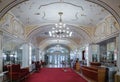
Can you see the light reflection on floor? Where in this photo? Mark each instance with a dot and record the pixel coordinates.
(57, 66)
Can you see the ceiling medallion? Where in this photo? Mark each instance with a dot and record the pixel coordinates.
(60, 30)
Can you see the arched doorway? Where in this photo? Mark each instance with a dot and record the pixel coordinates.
(57, 55)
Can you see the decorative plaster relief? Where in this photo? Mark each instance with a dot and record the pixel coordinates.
(17, 27)
(111, 22)
(44, 13)
(12, 25)
(61, 2)
(76, 17)
(5, 22)
(106, 27)
(103, 28)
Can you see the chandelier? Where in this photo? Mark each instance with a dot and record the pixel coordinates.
(60, 30)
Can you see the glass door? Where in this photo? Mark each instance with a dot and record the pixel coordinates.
(58, 59)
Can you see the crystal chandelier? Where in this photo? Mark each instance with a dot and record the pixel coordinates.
(60, 30)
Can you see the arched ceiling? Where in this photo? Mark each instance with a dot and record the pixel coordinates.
(113, 6)
(78, 12)
(41, 35)
(68, 43)
(79, 15)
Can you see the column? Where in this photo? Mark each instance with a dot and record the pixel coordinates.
(1, 57)
(43, 55)
(87, 54)
(25, 56)
(90, 52)
(118, 56)
(37, 54)
(98, 53)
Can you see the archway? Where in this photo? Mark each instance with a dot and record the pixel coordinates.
(58, 55)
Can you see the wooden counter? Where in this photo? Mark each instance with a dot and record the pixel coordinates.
(97, 74)
(117, 77)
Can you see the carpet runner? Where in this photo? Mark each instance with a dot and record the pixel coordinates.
(55, 75)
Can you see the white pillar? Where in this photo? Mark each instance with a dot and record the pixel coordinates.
(43, 56)
(37, 54)
(87, 55)
(1, 57)
(25, 55)
(118, 56)
(98, 53)
(90, 53)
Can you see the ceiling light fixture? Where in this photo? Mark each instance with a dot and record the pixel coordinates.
(60, 30)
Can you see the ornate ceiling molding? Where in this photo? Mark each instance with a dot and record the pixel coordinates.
(99, 2)
(108, 8)
(60, 3)
(9, 6)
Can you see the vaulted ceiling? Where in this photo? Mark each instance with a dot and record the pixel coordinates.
(41, 15)
(76, 12)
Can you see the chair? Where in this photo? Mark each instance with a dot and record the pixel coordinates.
(16, 73)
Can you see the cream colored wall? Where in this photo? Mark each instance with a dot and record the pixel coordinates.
(107, 28)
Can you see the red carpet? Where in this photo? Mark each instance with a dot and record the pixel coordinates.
(55, 75)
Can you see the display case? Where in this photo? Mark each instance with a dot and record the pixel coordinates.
(107, 52)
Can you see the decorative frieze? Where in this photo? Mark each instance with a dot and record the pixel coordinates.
(106, 29)
(12, 25)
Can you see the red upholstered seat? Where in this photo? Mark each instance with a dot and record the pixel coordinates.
(16, 73)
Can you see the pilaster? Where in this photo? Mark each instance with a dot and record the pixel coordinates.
(118, 56)
(25, 56)
(1, 57)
